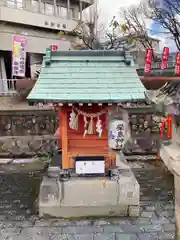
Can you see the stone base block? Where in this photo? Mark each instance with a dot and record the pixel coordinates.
(81, 212)
(85, 197)
(134, 211)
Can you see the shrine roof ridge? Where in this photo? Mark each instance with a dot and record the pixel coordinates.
(87, 53)
(86, 56)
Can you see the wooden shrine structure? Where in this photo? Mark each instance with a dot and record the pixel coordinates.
(89, 88)
(84, 85)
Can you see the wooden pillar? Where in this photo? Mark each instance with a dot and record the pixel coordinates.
(177, 204)
(64, 135)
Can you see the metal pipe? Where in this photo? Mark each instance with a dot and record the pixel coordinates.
(80, 9)
(39, 7)
(68, 9)
(55, 7)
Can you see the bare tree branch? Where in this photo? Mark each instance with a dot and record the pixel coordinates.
(90, 39)
(167, 16)
(136, 26)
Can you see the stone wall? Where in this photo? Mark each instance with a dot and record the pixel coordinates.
(23, 123)
(28, 133)
(29, 146)
(32, 132)
(144, 132)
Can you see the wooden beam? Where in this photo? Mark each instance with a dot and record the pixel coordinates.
(156, 78)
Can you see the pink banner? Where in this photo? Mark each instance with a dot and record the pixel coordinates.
(19, 56)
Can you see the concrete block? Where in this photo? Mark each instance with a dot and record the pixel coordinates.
(129, 193)
(104, 236)
(129, 190)
(53, 171)
(79, 197)
(134, 211)
(49, 192)
(88, 192)
(84, 211)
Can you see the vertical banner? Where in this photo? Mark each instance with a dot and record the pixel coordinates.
(165, 57)
(177, 68)
(19, 56)
(148, 60)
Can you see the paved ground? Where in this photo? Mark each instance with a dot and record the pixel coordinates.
(19, 221)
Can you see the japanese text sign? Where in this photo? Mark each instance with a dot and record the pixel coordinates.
(19, 56)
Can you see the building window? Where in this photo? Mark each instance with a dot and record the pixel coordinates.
(49, 9)
(11, 3)
(62, 11)
(42, 7)
(15, 4)
(19, 4)
(73, 13)
(34, 5)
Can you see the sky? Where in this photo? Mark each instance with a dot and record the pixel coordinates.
(110, 8)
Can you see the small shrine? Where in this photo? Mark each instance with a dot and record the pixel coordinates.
(89, 90)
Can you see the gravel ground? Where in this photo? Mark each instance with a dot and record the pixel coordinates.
(18, 219)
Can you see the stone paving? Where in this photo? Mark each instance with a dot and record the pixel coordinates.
(18, 220)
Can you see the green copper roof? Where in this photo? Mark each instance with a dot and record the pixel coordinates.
(87, 76)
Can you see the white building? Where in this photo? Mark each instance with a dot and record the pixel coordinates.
(39, 21)
(139, 50)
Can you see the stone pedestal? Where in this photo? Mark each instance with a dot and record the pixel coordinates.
(170, 154)
(90, 196)
(177, 204)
